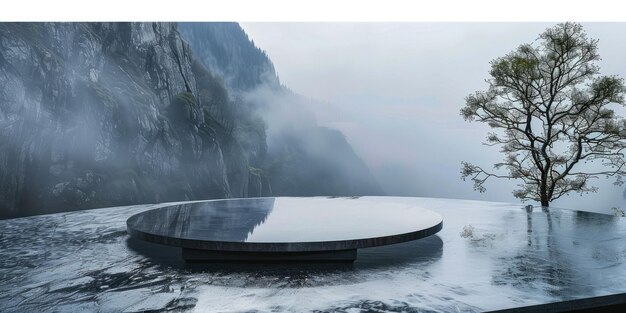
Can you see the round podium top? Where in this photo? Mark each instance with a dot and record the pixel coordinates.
(285, 224)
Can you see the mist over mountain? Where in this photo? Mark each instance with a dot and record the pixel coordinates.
(103, 114)
(303, 159)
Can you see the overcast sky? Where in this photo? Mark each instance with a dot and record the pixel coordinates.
(395, 90)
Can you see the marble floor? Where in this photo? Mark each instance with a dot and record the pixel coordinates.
(488, 256)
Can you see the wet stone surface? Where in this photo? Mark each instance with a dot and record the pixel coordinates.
(85, 261)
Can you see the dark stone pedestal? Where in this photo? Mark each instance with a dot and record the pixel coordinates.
(194, 255)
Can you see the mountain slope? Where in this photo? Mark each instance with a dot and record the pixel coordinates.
(303, 158)
(100, 114)
(225, 49)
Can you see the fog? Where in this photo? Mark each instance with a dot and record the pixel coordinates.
(395, 91)
(304, 158)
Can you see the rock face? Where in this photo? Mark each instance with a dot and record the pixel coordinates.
(104, 114)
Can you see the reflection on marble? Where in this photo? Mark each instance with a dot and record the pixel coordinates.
(285, 224)
(221, 220)
(85, 261)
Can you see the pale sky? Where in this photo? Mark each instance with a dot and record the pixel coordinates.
(395, 90)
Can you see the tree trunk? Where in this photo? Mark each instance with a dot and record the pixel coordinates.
(545, 201)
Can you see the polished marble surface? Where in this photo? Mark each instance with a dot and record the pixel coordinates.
(285, 224)
(488, 256)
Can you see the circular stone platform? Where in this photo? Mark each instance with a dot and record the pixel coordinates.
(258, 229)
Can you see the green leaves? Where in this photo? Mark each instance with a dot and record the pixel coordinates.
(513, 66)
(608, 88)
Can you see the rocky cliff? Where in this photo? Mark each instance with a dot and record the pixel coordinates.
(103, 114)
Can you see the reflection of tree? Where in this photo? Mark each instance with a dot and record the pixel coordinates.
(546, 263)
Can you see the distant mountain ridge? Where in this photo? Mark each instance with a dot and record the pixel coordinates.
(227, 51)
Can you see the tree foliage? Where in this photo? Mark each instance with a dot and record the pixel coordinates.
(551, 111)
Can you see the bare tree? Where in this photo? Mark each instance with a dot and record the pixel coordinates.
(552, 112)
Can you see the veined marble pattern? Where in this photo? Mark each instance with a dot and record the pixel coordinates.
(85, 261)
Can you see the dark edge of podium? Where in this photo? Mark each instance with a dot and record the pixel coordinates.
(281, 247)
(213, 256)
